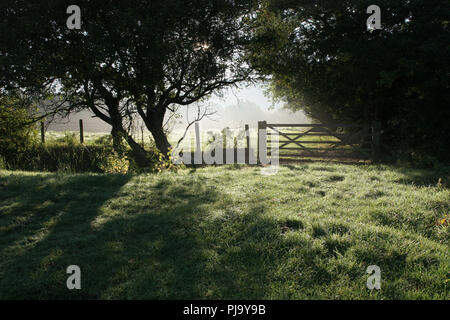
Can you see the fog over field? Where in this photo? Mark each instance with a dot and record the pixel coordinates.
(234, 109)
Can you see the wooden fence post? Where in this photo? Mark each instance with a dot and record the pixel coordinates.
(247, 145)
(235, 150)
(42, 132)
(376, 130)
(224, 145)
(262, 125)
(81, 132)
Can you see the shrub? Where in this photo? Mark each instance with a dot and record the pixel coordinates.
(166, 162)
(66, 154)
(17, 132)
(110, 162)
(69, 158)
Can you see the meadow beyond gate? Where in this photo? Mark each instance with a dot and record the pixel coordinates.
(323, 141)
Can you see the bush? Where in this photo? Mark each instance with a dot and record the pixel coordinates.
(66, 154)
(70, 158)
(164, 163)
(111, 162)
(17, 132)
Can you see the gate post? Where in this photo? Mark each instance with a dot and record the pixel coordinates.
(247, 145)
(262, 125)
(224, 145)
(81, 132)
(376, 129)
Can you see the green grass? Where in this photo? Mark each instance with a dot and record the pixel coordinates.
(104, 139)
(189, 143)
(90, 138)
(308, 232)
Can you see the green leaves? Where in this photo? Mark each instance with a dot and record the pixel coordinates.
(321, 59)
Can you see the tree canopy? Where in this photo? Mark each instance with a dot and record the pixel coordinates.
(142, 59)
(129, 59)
(321, 58)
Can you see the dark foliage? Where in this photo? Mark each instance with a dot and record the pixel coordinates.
(129, 59)
(321, 58)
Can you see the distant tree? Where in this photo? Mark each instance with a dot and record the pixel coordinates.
(129, 59)
(321, 58)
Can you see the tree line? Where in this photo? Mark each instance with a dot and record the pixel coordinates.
(143, 59)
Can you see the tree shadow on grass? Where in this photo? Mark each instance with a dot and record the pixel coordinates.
(43, 219)
(172, 237)
(424, 178)
(156, 241)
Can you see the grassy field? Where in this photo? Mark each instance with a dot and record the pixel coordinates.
(308, 232)
(189, 143)
(104, 138)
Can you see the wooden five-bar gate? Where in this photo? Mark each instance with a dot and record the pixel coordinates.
(322, 141)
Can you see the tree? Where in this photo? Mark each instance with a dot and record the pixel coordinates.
(321, 58)
(129, 59)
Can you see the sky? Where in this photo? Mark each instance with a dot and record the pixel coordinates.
(249, 105)
(254, 93)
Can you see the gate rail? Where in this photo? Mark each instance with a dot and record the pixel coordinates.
(324, 140)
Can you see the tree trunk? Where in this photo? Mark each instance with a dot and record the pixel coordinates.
(120, 135)
(139, 153)
(154, 124)
(118, 143)
(161, 141)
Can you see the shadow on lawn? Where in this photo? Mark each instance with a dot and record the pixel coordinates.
(425, 178)
(167, 247)
(165, 237)
(45, 226)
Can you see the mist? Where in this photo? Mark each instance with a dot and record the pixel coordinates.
(234, 109)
